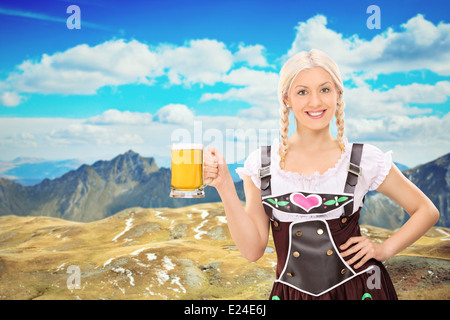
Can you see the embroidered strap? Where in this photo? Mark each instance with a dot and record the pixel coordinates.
(307, 203)
(354, 171)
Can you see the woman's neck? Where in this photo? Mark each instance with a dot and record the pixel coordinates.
(312, 140)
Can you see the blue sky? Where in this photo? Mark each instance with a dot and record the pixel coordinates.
(138, 73)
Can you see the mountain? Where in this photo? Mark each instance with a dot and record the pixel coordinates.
(433, 178)
(31, 171)
(93, 192)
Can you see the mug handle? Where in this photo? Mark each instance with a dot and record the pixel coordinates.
(203, 186)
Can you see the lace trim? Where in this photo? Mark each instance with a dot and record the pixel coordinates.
(384, 165)
(316, 175)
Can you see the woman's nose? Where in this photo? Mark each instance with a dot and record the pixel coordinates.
(314, 100)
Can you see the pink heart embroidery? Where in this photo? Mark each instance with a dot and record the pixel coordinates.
(306, 203)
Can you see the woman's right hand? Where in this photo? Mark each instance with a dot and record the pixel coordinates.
(215, 169)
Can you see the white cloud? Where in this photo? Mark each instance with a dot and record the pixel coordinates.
(26, 136)
(113, 116)
(81, 133)
(224, 123)
(252, 55)
(11, 99)
(365, 102)
(198, 61)
(256, 87)
(128, 138)
(418, 45)
(63, 138)
(21, 139)
(385, 117)
(175, 113)
(414, 140)
(400, 128)
(84, 69)
(421, 93)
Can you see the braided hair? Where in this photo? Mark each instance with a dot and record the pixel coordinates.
(297, 63)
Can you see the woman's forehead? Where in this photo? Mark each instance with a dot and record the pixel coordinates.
(312, 77)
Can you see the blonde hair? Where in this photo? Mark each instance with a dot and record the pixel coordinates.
(297, 63)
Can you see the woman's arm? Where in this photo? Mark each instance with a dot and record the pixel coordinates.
(423, 216)
(423, 212)
(249, 228)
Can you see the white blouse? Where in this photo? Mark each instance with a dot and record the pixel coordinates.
(374, 163)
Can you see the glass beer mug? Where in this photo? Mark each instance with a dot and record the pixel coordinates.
(187, 171)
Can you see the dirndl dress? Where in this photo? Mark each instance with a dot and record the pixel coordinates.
(311, 216)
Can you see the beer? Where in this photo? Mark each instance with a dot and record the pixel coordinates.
(187, 171)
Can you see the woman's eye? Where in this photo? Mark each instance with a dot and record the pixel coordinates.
(302, 92)
(326, 90)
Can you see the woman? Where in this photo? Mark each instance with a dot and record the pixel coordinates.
(310, 187)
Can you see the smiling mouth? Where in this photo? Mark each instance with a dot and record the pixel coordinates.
(315, 114)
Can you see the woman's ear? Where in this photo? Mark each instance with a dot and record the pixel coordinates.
(286, 101)
(340, 96)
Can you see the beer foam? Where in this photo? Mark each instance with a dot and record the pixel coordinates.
(187, 146)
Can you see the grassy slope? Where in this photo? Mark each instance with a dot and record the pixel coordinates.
(183, 253)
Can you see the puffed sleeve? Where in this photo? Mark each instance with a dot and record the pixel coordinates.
(375, 166)
(251, 166)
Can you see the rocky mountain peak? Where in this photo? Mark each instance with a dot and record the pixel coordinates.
(127, 166)
(433, 178)
(93, 192)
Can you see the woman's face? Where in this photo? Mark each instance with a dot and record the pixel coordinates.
(313, 98)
